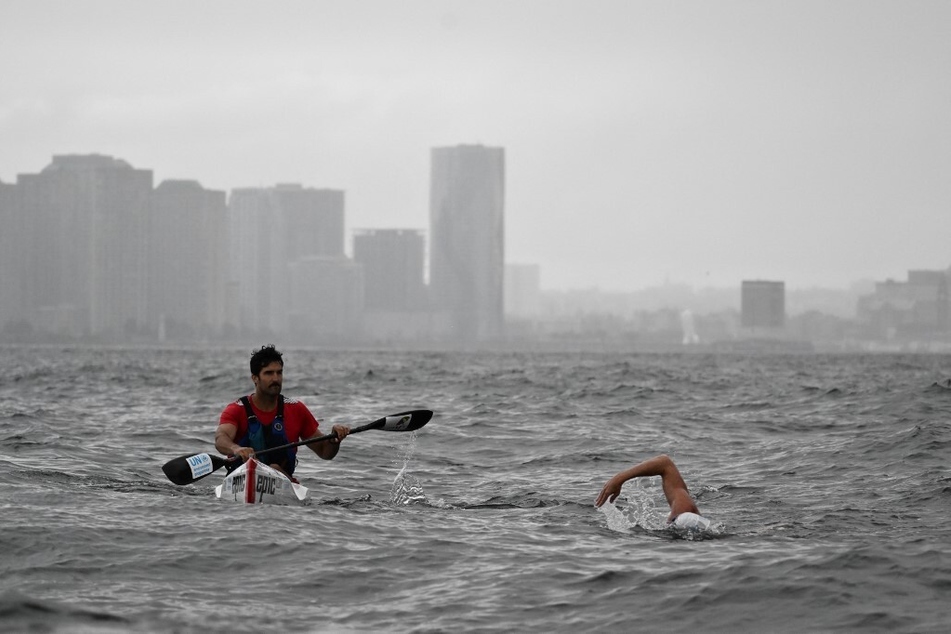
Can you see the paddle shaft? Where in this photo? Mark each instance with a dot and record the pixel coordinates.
(374, 425)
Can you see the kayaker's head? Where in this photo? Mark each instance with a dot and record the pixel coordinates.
(267, 371)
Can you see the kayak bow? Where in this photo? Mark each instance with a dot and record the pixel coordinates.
(256, 483)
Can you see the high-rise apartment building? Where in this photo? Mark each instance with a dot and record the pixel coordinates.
(393, 263)
(325, 300)
(12, 268)
(763, 304)
(85, 245)
(273, 229)
(467, 256)
(256, 260)
(313, 220)
(188, 251)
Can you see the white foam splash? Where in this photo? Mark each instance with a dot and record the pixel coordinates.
(639, 510)
(406, 488)
(616, 520)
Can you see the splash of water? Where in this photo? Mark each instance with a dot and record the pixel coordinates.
(617, 521)
(406, 489)
(639, 510)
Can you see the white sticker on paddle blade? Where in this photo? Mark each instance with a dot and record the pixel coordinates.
(397, 423)
(200, 465)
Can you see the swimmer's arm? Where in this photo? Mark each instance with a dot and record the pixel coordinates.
(675, 489)
(654, 467)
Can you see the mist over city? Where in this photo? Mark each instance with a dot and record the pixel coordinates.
(727, 175)
(460, 316)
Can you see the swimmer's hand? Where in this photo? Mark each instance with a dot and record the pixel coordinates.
(611, 490)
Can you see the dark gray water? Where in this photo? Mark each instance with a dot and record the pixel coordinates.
(826, 476)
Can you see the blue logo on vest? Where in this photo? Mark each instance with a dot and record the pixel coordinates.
(278, 427)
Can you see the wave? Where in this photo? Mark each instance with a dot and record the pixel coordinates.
(21, 613)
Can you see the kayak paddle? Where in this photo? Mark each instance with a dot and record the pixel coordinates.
(193, 467)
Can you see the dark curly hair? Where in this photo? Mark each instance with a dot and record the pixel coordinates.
(265, 356)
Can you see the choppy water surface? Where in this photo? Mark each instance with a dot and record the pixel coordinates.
(826, 476)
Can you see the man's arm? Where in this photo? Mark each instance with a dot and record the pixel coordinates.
(329, 448)
(225, 443)
(675, 489)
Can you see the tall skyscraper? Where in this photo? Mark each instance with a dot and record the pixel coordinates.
(393, 263)
(12, 254)
(272, 230)
(88, 218)
(256, 259)
(325, 300)
(467, 254)
(312, 219)
(188, 250)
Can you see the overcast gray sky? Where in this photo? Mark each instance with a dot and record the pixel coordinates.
(690, 142)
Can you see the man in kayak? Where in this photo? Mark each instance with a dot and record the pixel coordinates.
(683, 510)
(267, 419)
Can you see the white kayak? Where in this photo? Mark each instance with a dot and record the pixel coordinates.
(256, 483)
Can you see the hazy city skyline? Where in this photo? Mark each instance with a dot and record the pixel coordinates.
(692, 142)
(92, 251)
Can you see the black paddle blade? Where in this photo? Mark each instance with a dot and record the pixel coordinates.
(406, 421)
(193, 467)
